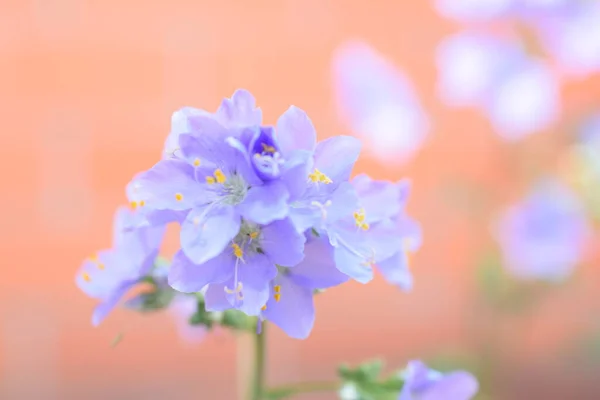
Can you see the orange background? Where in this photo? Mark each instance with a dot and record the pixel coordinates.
(86, 93)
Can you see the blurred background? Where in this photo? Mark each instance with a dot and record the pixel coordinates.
(489, 107)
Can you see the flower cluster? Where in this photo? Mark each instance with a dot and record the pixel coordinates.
(268, 217)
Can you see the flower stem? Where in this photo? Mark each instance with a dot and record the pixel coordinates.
(258, 378)
(304, 387)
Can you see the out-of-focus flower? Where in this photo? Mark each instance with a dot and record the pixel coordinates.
(423, 383)
(544, 235)
(566, 29)
(378, 103)
(473, 10)
(109, 274)
(519, 94)
(182, 308)
(570, 33)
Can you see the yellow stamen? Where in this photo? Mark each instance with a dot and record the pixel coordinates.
(264, 308)
(133, 205)
(277, 288)
(142, 203)
(210, 180)
(267, 148)
(178, 196)
(197, 162)
(359, 219)
(86, 277)
(237, 250)
(220, 176)
(277, 297)
(253, 235)
(100, 266)
(94, 258)
(318, 177)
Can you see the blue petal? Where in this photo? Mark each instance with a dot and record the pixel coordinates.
(104, 308)
(304, 217)
(373, 194)
(395, 270)
(282, 243)
(241, 110)
(295, 131)
(207, 142)
(295, 312)
(352, 265)
(216, 299)
(266, 203)
(168, 185)
(255, 274)
(187, 277)
(208, 230)
(318, 269)
(296, 169)
(179, 125)
(335, 157)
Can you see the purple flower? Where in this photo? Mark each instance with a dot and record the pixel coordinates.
(423, 383)
(224, 172)
(388, 223)
(571, 34)
(519, 94)
(378, 103)
(110, 273)
(468, 10)
(242, 272)
(544, 236)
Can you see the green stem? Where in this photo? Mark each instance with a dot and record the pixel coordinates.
(300, 388)
(258, 379)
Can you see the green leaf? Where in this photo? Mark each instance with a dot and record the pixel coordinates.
(366, 380)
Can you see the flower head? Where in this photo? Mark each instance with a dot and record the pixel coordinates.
(421, 382)
(110, 273)
(544, 235)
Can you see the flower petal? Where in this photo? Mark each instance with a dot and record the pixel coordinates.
(395, 270)
(255, 275)
(282, 243)
(241, 110)
(294, 313)
(295, 131)
(104, 308)
(352, 265)
(187, 277)
(208, 230)
(216, 299)
(168, 185)
(295, 172)
(266, 203)
(317, 270)
(335, 157)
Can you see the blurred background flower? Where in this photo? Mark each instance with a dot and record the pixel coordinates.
(519, 94)
(377, 102)
(544, 235)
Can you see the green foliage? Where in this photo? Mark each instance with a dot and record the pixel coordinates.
(368, 383)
